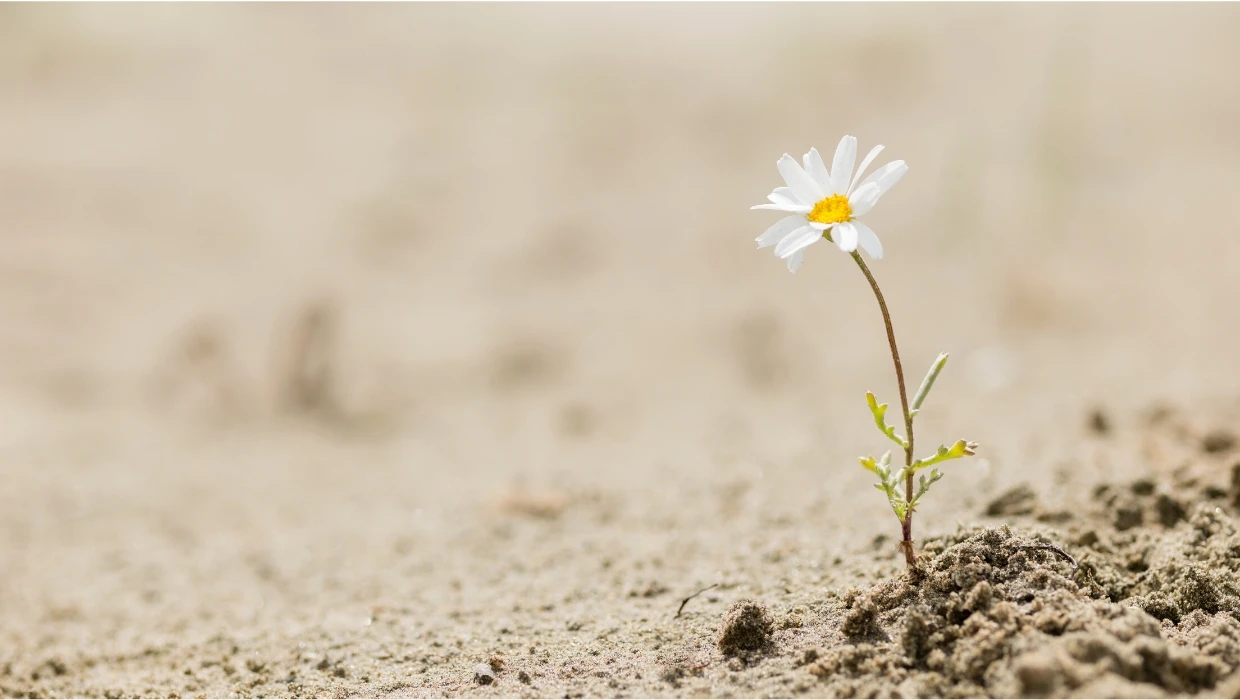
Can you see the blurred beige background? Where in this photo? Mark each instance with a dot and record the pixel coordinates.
(300, 306)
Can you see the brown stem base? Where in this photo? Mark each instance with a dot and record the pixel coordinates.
(906, 544)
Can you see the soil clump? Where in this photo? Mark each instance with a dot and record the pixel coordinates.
(1153, 608)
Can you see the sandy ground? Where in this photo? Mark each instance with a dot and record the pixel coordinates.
(346, 349)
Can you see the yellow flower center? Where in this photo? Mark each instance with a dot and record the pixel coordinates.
(832, 210)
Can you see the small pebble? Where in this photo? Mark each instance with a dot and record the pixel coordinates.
(483, 675)
(1098, 422)
(1218, 441)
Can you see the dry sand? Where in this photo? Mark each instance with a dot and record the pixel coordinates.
(423, 351)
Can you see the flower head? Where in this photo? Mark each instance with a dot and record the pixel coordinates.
(826, 204)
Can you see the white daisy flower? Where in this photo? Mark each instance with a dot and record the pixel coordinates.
(825, 204)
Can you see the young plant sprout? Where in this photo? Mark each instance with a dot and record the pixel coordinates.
(825, 204)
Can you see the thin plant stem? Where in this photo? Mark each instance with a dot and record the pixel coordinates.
(906, 543)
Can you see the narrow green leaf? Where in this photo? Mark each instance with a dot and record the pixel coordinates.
(928, 382)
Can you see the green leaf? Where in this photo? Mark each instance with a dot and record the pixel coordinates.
(928, 382)
(880, 467)
(900, 476)
(880, 419)
(924, 486)
(869, 464)
(958, 449)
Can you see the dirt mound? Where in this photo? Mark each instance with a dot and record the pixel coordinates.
(746, 627)
(1152, 609)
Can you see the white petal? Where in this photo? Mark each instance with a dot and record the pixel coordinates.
(797, 240)
(776, 198)
(786, 193)
(845, 235)
(842, 166)
(820, 227)
(817, 169)
(869, 158)
(886, 176)
(862, 200)
(868, 240)
(794, 262)
(782, 228)
(801, 183)
(794, 208)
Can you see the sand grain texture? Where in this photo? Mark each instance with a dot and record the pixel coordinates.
(423, 351)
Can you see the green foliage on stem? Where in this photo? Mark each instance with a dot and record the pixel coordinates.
(958, 449)
(893, 482)
(928, 383)
(879, 410)
(924, 484)
(888, 483)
